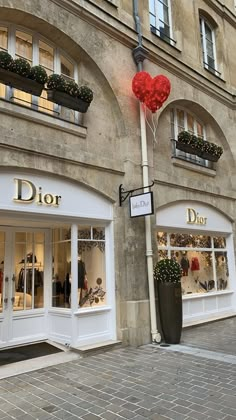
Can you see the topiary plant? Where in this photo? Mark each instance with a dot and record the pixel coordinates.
(72, 88)
(21, 66)
(85, 94)
(167, 271)
(39, 74)
(5, 60)
(56, 82)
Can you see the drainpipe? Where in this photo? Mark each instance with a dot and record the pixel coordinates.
(139, 54)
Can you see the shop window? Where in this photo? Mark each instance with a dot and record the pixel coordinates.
(160, 19)
(91, 267)
(61, 268)
(29, 270)
(203, 260)
(181, 120)
(207, 34)
(2, 257)
(37, 51)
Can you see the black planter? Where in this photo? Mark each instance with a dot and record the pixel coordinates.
(208, 156)
(170, 307)
(64, 99)
(186, 148)
(20, 82)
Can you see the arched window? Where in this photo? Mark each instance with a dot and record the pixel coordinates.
(21, 43)
(208, 46)
(181, 120)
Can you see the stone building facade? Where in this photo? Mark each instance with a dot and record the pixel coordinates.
(49, 151)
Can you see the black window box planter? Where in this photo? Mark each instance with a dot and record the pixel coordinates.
(187, 148)
(17, 81)
(64, 99)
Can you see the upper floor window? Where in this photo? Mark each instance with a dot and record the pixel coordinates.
(160, 19)
(208, 46)
(37, 51)
(182, 120)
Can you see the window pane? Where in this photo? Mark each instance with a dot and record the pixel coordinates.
(61, 271)
(193, 241)
(3, 38)
(219, 242)
(24, 46)
(67, 68)
(199, 129)
(222, 272)
(152, 6)
(91, 268)
(161, 239)
(197, 272)
(190, 123)
(46, 57)
(180, 119)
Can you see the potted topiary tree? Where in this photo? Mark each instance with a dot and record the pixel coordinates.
(68, 93)
(167, 276)
(19, 75)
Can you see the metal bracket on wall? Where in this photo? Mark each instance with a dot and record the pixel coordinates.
(125, 194)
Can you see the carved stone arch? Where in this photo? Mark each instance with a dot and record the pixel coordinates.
(40, 18)
(214, 132)
(212, 23)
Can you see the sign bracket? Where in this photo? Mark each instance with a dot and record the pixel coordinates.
(125, 194)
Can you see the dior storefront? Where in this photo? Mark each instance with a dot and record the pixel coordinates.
(57, 263)
(200, 238)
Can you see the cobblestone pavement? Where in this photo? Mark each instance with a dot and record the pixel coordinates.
(150, 382)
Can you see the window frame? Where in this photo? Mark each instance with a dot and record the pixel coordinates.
(153, 4)
(57, 53)
(174, 135)
(203, 24)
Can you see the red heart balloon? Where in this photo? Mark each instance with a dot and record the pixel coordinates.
(158, 93)
(141, 85)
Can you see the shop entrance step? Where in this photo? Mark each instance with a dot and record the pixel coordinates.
(101, 347)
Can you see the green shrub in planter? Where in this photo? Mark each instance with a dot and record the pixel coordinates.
(39, 74)
(72, 88)
(21, 67)
(184, 137)
(56, 82)
(85, 94)
(167, 271)
(5, 60)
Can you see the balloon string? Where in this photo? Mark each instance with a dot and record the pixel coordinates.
(153, 126)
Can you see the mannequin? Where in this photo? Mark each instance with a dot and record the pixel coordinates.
(184, 265)
(81, 275)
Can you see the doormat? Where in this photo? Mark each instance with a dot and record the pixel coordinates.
(17, 354)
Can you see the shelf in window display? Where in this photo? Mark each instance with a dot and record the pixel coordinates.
(64, 99)
(17, 81)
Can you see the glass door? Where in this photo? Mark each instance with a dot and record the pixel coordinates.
(28, 276)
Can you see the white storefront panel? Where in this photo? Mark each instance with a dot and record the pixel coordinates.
(200, 238)
(31, 205)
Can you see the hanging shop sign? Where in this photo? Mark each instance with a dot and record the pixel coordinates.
(141, 204)
(27, 192)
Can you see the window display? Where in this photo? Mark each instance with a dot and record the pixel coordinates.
(90, 267)
(203, 260)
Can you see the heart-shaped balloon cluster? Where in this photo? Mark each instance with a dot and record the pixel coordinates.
(153, 92)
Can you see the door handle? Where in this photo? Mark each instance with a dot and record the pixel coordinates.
(6, 290)
(13, 288)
